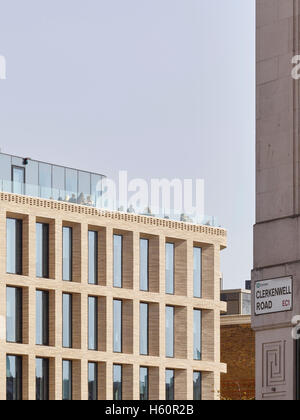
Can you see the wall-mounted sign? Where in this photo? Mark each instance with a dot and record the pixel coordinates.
(272, 296)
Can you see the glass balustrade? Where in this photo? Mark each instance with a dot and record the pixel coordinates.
(97, 200)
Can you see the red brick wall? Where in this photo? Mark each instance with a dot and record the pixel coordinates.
(238, 352)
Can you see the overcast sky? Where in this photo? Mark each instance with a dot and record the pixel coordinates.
(161, 88)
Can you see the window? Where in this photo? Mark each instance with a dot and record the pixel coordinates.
(117, 382)
(42, 379)
(67, 320)
(14, 378)
(144, 384)
(67, 253)
(118, 326)
(58, 183)
(170, 249)
(84, 188)
(71, 185)
(246, 303)
(45, 180)
(170, 331)
(96, 190)
(42, 250)
(197, 386)
(197, 334)
(144, 265)
(67, 380)
(5, 171)
(93, 381)
(118, 261)
(197, 272)
(32, 181)
(93, 323)
(14, 315)
(42, 318)
(93, 257)
(170, 382)
(18, 180)
(14, 246)
(144, 329)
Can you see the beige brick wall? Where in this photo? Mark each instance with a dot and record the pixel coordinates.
(132, 227)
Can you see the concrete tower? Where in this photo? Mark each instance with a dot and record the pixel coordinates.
(276, 274)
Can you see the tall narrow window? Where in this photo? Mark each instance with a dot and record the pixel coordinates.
(170, 250)
(67, 253)
(197, 334)
(118, 326)
(67, 380)
(197, 272)
(197, 386)
(93, 257)
(144, 265)
(18, 180)
(144, 328)
(14, 246)
(67, 320)
(144, 384)
(93, 323)
(170, 385)
(117, 382)
(14, 315)
(14, 378)
(93, 381)
(170, 310)
(118, 261)
(42, 379)
(42, 318)
(42, 250)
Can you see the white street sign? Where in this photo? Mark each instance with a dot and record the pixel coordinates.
(272, 296)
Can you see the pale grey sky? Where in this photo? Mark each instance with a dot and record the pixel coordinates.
(161, 88)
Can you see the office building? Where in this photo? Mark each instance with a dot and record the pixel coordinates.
(98, 304)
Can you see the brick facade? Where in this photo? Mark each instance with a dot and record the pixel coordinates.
(238, 352)
(132, 227)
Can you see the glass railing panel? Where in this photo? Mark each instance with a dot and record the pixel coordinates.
(97, 200)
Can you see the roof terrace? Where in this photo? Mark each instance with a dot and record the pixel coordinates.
(33, 178)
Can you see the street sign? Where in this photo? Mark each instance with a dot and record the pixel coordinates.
(273, 296)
